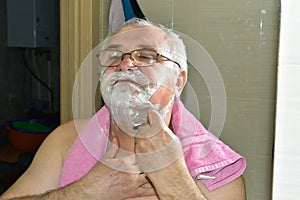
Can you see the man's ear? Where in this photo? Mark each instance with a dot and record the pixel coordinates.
(181, 81)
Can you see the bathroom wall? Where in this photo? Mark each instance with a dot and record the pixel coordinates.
(240, 39)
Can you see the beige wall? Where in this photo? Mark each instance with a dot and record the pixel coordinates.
(242, 38)
(79, 34)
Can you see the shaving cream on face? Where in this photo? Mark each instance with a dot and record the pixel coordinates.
(128, 97)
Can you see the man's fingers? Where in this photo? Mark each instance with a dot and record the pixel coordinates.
(155, 118)
(156, 124)
(141, 179)
(145, 191)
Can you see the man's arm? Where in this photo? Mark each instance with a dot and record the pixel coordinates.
(173, 181)
(66, 193)
(234, 190)
(41, 180)
(160, 157)
(44, 172)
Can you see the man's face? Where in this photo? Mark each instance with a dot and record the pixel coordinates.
(131, 91)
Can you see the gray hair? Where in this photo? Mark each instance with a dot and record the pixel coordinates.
(178, 47)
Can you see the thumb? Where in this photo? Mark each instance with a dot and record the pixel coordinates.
(156, 124)
(155, 118)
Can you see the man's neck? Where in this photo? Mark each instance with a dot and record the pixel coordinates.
(126, 141)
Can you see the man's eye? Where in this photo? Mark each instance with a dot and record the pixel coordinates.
(114, 56)
(145, 56)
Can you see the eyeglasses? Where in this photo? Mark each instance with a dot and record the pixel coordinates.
(138, 57)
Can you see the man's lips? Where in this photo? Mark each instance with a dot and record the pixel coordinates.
(125, 81)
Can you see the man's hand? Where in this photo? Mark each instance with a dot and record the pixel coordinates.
(156, 146)
(159, 155)
(104, 182)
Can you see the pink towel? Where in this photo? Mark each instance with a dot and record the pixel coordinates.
(206, 156)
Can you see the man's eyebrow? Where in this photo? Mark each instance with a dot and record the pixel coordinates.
(114, 46)
(141, 46)
(146, 46)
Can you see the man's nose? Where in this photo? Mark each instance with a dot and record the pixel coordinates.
(126, 63)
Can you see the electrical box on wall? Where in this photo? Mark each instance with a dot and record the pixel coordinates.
(30, 23)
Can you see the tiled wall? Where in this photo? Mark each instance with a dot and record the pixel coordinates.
(287, 161)
(17, 86)
(242, 39)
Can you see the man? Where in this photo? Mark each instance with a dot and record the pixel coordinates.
(148, 144)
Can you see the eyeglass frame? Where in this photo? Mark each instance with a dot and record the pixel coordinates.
(156, 60)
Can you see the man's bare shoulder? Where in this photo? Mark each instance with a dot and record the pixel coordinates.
(64, 135)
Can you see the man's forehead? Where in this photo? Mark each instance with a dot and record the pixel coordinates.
(139, 36)
(141, 28)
